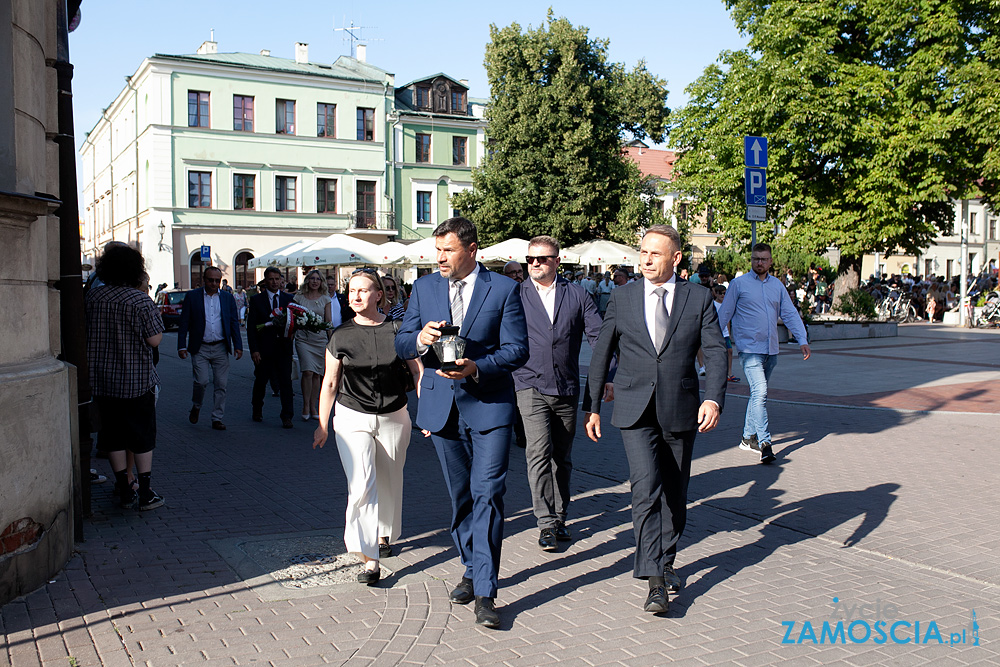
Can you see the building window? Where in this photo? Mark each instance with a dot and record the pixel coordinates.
(458, 102)
(242, 113)
(284, 193)
(199, 189)
(423, 147)
(366, 124)
(197, 109)
(682, 211)
(326, 195)
(423, 97)
(993, 229)
(459, 156)
(424, 207)
(949, 269)
(928, 267)
(284, 117)
(242, 274)
(366, 204)
(326, 120)
(710, 220)
(243, 192)
(972, 223)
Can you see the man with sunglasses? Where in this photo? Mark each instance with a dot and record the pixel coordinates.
(558, 314)
(469, 411)
(753, 303)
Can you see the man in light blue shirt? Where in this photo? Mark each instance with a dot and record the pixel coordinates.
(753, 304)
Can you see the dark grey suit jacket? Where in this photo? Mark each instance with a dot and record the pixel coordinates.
(669, 372)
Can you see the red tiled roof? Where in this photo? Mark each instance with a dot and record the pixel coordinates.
(653, 162)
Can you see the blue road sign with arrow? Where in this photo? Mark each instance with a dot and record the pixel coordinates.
(755, 152)
(755, 186)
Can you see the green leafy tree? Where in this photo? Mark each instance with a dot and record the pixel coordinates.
(867, 108)
(558, 116)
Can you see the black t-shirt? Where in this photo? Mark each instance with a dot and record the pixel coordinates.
(370, 380)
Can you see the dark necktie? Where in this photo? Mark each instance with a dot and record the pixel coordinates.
(275, 302)
(661, 318)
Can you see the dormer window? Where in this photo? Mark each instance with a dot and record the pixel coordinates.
(423, 97)
(458, 103)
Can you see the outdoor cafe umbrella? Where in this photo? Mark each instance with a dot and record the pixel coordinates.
(422, 252)
(338, 249)
(279, 257)
(516, 250)
(605, 252)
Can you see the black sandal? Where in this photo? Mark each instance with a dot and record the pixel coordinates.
(384, 550)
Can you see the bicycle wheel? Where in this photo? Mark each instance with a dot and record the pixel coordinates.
(911, 314)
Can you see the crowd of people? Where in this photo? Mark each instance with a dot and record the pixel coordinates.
(486, 354)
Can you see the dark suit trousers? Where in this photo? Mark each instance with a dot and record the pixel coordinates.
(659, 464)
(475, 471)
(549, 427)
(274, 367)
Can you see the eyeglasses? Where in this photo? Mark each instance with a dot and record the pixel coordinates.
(541, 259)
(760, 259)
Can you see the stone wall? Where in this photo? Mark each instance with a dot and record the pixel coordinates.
(36, 400)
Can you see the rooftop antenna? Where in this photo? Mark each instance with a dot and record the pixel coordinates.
(352, 33)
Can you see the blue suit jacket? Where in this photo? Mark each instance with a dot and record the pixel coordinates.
(496, 340)
(193, 322)
(553, 366)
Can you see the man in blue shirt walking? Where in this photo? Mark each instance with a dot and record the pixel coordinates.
(752, 306)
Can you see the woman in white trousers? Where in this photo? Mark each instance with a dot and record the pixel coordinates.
(366, 381)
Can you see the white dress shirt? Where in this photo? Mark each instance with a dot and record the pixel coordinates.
(213, 318)
(649, 302)
(548, 297)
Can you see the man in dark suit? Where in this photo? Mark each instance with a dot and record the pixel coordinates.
(558, 314)
(469, 411)
(210, 332)
(657, 325)
(270, 350)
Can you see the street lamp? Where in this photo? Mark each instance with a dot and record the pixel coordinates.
(163, 228)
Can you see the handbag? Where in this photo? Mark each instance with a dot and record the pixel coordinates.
(401, 368)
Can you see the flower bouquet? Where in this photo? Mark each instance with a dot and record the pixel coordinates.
(294, 318)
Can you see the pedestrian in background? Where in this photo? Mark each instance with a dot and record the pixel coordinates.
(371, 423)
(210, 331)
(310, 346)
(270, 350)
(123, 328)
(751, 308)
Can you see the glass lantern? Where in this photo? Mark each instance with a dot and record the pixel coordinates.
(450, 347)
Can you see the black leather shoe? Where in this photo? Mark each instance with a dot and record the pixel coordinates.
(193, 415)
(463, 593)
(369, 577)
(218, 426)
(287, 423)
(562, 533)
(547, 540)
(671, 579)
(486, 614)
(656, 601)
(384, 550)
(258, 416)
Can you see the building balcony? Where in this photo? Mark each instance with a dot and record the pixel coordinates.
(381, 220)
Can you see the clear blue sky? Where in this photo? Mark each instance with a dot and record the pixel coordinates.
(677, 38)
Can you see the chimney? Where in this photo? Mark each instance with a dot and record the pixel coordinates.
(265, 52)
(301, 52)
(362, 53)
(464, 82)
(208, 48)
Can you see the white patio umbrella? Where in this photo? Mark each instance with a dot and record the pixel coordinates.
(337, 249)
(279, 257)
(517, 250)
(605, 252)
(391, 251)
(422, 252)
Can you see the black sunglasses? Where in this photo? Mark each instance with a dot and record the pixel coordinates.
(365, 270)
(541, 259)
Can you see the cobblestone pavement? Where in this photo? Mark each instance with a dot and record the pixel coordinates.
(892, 513)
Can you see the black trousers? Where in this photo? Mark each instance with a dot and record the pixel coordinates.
(659, 464)
(275, 367)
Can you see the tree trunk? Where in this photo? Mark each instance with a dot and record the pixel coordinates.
(848, 275)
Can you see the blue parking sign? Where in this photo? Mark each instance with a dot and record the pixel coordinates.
(755, 152)
(206, 253)
(755, 186)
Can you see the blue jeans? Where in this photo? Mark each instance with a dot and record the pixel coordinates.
(757, 369)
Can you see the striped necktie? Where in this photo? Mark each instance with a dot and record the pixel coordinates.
(457, 304)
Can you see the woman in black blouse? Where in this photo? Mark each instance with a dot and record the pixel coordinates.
(371, 423)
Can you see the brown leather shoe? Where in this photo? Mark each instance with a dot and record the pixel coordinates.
(287, 423)
(218, 426)
(193, 416)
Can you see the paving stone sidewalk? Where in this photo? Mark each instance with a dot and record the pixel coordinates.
(890, 512)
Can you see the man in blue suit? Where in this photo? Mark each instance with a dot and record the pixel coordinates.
(210, 332)
(469, 411)
(558, 314)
